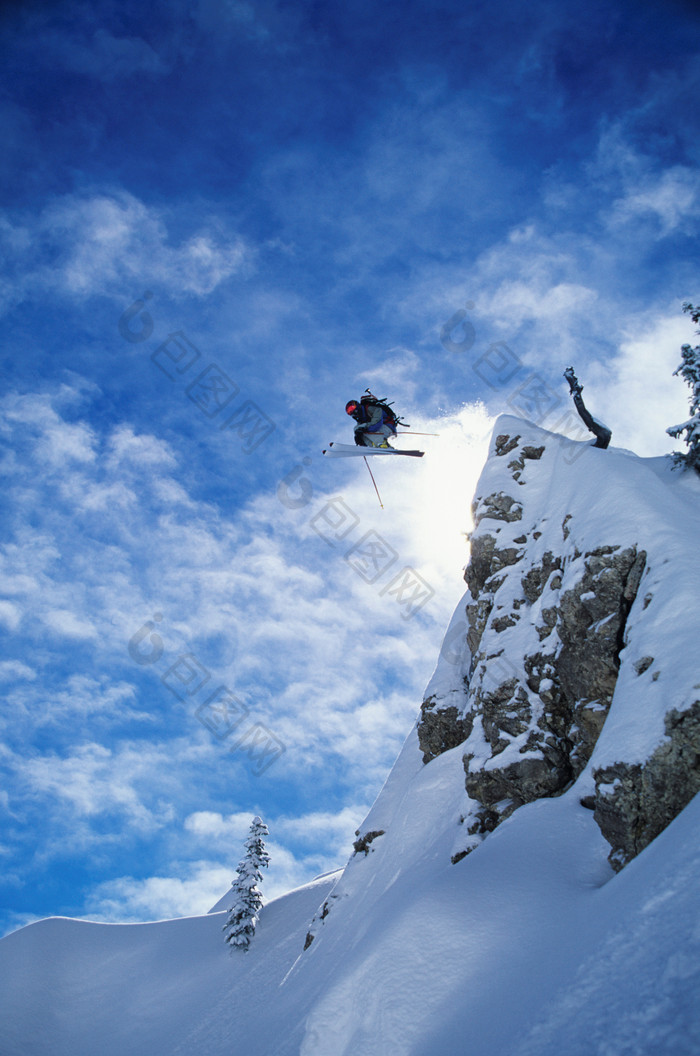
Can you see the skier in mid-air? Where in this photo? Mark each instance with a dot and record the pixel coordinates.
(376, 421)
(601, 432)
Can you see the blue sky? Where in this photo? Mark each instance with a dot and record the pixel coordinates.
(220, 221)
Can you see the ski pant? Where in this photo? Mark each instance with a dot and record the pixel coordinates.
(375, 437)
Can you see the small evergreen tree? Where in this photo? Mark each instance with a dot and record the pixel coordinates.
(689, 369)
(247, 900)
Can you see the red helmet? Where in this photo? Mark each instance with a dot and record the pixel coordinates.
(351, 406)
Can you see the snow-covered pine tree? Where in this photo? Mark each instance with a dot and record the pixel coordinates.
(689, 369)
(247, 900)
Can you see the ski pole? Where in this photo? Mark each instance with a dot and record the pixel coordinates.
(364, 458)
(414, 433)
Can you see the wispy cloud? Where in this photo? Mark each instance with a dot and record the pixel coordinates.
(15, 669)
(195, 888)
(82, 245)
(672, 198)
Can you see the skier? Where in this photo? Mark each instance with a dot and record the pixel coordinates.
(601, 432)
(376, 421)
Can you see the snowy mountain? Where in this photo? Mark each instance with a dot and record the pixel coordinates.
(526, 881)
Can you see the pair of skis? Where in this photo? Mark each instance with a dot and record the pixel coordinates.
(335, 450)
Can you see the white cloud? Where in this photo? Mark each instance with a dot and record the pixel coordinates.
(637, 188)
(335, 830)
(318, 828)
(15, 669)
(401, 372)
(107, 239)
(93, 781)
(83, 245)
(638, 396)
(209, 825)
(539, 297)
(673, 197)
(551, 296)
(10, 615)
(57, 441)
(68, 624)
(197, 887)
(145, 450)
(103, 498)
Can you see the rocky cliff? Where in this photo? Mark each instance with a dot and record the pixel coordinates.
(573, 600)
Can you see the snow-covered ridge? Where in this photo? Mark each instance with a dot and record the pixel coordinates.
(564, 673)
(581, 561)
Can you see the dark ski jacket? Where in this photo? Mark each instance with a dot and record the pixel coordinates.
(371, 416)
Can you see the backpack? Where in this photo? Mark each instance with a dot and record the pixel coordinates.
(390, 415)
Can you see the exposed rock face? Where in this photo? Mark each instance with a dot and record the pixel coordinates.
(441, 728)
(545, 624)
(361, 845)
(555, 706)
(634, 803)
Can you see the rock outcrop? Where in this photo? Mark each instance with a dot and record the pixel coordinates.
(634, 803)
(544, 632)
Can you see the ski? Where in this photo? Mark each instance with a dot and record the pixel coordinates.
(335, 450)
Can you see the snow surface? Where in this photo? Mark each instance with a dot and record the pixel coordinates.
(529, 946)
(77, 988)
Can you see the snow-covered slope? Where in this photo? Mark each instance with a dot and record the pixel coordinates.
(531, 944)
(77, 988)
